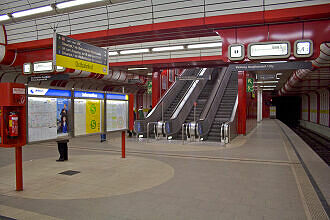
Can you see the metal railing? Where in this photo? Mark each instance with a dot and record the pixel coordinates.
(228, 129)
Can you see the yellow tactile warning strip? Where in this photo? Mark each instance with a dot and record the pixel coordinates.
(22, 214)
(101, 176)
(311, 203)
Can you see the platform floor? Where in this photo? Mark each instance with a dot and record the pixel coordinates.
(258, 176)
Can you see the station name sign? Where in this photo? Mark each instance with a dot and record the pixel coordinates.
(75, 54)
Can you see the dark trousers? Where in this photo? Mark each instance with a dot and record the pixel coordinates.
(63, 150)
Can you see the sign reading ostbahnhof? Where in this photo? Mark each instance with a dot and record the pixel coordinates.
(75, 54)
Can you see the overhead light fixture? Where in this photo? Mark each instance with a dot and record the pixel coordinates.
(269, 89)
(60, 69)
(43, 67)
(149, 74)
(159, 49)
(4, 17)
(267, 86)
(134, 51)
(138, 68)
(262, 82)
(74, 3)
(113, 53)
(32, 11)
(278, 61)
(208, 45)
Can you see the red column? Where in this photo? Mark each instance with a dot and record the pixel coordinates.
(123, 150)
(155, 88)
(19, 169)
(130, 111)
(241, 122)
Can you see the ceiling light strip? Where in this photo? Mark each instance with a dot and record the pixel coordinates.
(32, 11)
(74, 3)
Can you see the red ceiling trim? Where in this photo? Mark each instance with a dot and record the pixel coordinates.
(162, 61)
(222, 21)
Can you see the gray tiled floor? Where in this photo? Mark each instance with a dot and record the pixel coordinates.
(255, 187)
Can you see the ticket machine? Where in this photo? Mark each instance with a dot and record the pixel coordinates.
(13, 123)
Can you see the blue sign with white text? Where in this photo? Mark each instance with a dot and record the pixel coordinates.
(116, 97)
(89, 95)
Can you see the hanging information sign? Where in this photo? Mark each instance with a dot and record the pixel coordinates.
(75, 54)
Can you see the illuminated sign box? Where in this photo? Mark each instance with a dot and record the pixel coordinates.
(48, 92)
(303, 48)
(117, 97)
(88, 95)
(236, 52)
(269, 50)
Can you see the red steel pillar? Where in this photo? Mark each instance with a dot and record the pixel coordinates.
(19, 169)
(131, 111)
(241, 122)
(155, 88)
(123, 153)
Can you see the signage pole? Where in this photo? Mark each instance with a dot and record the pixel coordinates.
(72, 113)
(123, 153)
(19, 169)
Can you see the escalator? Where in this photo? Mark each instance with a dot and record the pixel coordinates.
(201, 101)
(169, 111)
(168, 103)
(225, 108)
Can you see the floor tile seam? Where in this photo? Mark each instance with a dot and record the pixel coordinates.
(304, 180)
(223, 159)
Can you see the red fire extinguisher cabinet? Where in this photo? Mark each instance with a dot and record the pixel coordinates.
(12, 115)
(13, 123)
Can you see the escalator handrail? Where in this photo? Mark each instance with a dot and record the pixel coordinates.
(182, 100)
(214, 102)
(213, 95)
(165, 95)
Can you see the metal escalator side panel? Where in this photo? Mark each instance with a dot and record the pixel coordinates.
(156, 113)
(186, 103)
(214, 101)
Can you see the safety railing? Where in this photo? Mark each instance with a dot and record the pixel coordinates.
(228, 130)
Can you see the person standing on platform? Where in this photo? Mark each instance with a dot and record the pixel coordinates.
(149, 109)
(141, 114)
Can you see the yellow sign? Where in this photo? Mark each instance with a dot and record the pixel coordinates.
(93, 120)
(75, 54)
(77, 64)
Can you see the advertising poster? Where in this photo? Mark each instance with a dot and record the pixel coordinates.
(62, 116)
(93, 119)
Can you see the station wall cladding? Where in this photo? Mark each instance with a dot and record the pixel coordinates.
(288, 109)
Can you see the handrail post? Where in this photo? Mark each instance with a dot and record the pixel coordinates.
(182, 131)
